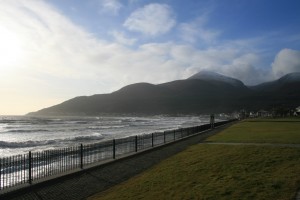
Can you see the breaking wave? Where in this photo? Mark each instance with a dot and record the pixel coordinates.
(27, 131)
(30, 143)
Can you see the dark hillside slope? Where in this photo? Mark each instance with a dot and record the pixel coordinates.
(203, 93)
(282, 92)
(288, 81)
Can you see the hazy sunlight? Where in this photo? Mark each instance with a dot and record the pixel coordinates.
(10, 49)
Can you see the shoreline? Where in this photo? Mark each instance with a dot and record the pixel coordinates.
(119, 170)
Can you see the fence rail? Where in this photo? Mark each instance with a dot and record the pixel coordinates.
(24, 169)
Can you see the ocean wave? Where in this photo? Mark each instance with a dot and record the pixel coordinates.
(133, 120)
(95, 136)
(30, 143)
(116, 126)
(106, 127)
(26, 130)
(5, 144)
(75, 122)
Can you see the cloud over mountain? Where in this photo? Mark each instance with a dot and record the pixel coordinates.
(153, 19)
(286, 61)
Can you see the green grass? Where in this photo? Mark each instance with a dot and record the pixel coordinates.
(217, 172)
(286, 119)
(261, 131)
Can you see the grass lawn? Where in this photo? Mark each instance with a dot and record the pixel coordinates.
(262, 131)
(206, 171)
(217, 172)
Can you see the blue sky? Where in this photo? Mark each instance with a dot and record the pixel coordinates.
(57, 49)
(234, 19)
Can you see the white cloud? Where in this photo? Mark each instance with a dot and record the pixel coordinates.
(193, 31)
(110, 6)
(153, 19)
(245, 68)
(286, 61)
(121, 38)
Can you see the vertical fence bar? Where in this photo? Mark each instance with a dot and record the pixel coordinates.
(24, 166)
(50, 162)
(81, 156)
(64, 167)
(47, 163)
(16, 170)
(114, 149)
(60, 160)
(164, 136)
(12, 180)
(21, 166)
(136, 143)
(37, 166)
(0, 173)
(20, 169)
(29, 168)
(9, 161)
(6, 177)
(13, 170)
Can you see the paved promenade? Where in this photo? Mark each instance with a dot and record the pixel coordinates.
(85, 183)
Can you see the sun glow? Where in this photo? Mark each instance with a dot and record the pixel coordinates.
(10, 49)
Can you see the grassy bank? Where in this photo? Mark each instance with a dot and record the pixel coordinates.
(207, 171)
(262, 131)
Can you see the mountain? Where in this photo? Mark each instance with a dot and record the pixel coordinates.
(282, 92)
(280, 84)
(203, 93)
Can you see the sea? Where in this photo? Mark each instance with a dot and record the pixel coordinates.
(21, 134)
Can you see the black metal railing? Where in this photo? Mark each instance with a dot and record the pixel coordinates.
(24, 169)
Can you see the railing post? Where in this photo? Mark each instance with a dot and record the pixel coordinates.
(174, 134)
(152, 139)
(0, 173)
(114, 149)
(81, 156)
(29, 168)
(136, 143)
(164, 136)
(212, 121)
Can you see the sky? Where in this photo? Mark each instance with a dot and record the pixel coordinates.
(55, 50)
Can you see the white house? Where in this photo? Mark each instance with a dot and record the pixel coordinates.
(297, 110)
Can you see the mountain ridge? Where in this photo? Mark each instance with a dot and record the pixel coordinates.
(202, 93)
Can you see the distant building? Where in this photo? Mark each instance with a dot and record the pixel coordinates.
(243, 114)
(297, 111)
(263, 113)
(252, 114)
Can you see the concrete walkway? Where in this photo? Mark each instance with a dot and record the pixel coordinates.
(85, 183)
